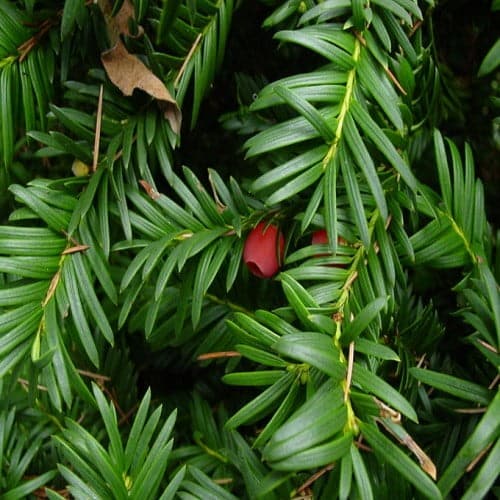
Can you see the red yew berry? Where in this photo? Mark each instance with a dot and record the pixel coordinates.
(264, 250)
(320, 237)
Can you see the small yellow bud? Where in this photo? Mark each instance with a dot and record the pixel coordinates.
(80, 169)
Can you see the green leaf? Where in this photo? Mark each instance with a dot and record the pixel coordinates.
(260, 356)
(387, 254)
(361, 474)
(443, 170)
(71, 284)
(373, 131)
(485, 478)
(137, 452)
(27, 487)
(283, 12)
(437, 244)
(254, 378)
(394, 27)
(23, 294)
(208, 267)
(491, 61)
(375, 349)
(287, 133)
(316, 42)
(334, 7)
(309, 112)
(484, 433)
(30, 267)
(393, 6)
(275, 322)
(299, 299)
(98, 262)
(30, 241)
(72, 9)
(354, 196)
(173, 485)
(376, 84)
(297, 185)
(317, 456)
(313, 348)
(77, 121)
(147, 480)
(207, 203)
(7, 113)
(262, 404)
(363, 319)
(86, 200)
(136, 430)
(364, 161)
(330, 197)
(196, 243)
(108, 415)
(85, 474)
(452, 385)
(77, 484)
(89, 296)
(279, 416)
(492, 293)
(209, 489)
(310, 426)
(374, 384)
(390, 453)
(55, 218)
(255, 329)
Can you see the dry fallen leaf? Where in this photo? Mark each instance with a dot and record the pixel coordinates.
(127, 71)
(118, 25)
(406, 440)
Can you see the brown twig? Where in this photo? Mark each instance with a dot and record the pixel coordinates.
(394, 80)
(217, 355)
(224, 480)
(75, 249)
(350, 365)
(150, 190)
(42, 491)
(128, 414)
(112, 396)
(421, 360)
(26, 47)
(470, 411)
(315, 477)
(186, 61)
(487, 346)
(97, 138)
(25, 383)
(359, 444)
(415, 28)
(388, 72)
(494, 382)
(473, 464)
(52, 288)
(95, 376)
(43, 28)
(351, 279)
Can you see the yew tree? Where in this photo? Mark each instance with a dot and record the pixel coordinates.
(249, 249)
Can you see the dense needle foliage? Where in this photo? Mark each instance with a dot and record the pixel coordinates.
(141, 142)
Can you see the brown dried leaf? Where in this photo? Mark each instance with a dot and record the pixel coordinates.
(150, 190)
(118, 25)
(128, 72)
(406, 440)
(123, 15)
